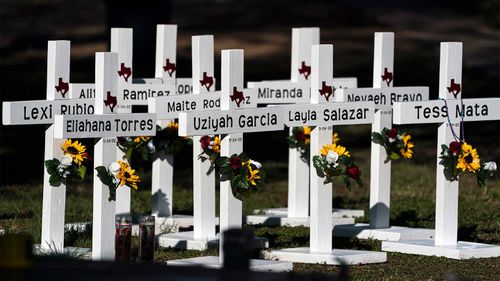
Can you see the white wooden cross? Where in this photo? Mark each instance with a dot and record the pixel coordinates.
(438, 111)
(59, 101)
(294, 91)
(105, 125)
(231, 122)
(324, 115)
(384, 94)
(203, 98)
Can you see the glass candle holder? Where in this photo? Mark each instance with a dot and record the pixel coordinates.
(123, 238)
(146, 238)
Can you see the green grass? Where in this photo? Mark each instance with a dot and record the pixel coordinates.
(412, 204)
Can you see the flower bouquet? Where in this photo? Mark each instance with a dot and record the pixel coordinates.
(335, 161)
(461, 158)
(117, 174)
(166, 141)
(397, 144)
(245, 175)
(211, 151)
(70, 168)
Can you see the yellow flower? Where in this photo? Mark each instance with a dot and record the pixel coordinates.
(216, 145)
(408, 145)
(173, 125)
(127, 175)
(307, 134)
(340, 150)
(335, 138)
(468, 160)
(252, 174)
(141, 139)
(76, 150)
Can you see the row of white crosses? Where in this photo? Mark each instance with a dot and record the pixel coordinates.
(384, 94)
(232, 122)
(448, 113)
(327, 115)
(68, 98)
(296, 91)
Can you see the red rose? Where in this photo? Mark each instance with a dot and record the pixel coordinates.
(235, 162)
(455, 147)
(354, 172)
(205, 141)
(299, 135)
(392, 133)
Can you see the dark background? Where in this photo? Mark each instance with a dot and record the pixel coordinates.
(263, 29)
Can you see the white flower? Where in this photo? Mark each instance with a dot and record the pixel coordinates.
(399, 137)
(490, 166)
(114, 168)
(391, 140)
(331, 157)
(66, 160)
(151, 146)
(256, 164)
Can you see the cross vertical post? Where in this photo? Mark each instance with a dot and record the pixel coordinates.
(321, 194)
(54, 197)
(380, 172)
(103, 222)
(298, 169)
(450, 67)
(203, 183)
(121, 43)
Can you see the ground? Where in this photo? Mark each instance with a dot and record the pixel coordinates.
(412, 205)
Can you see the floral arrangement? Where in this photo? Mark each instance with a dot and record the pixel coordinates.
(117, 174)
(166, 141)
(300, 140)
(335, 161)
(397, 144)
(211, 151)
(245, 175)
(70, 168)
(461, 158)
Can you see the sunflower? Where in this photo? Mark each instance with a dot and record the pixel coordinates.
(407, 146)
(172, 125)
(307, 134)
(340, 150)
(252, 174)
(76, 150)
(216, 145)
(468, 160)
(127, 175)
(335, 138)
(141, 139)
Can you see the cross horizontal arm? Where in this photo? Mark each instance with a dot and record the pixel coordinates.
(328, 114)
(105, 125)
(198, 123)
(436, 111)
(43, 111)
(382, 97)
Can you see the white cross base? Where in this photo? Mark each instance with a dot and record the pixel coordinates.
(335, 256)
(391, 233)
(426, 247)
(255, 265)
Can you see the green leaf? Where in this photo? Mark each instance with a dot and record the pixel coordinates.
(377, 138)
(318, 165)
(104, 176)
(347, 183)
(55, 180)
(51, 166)
(81, 171)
